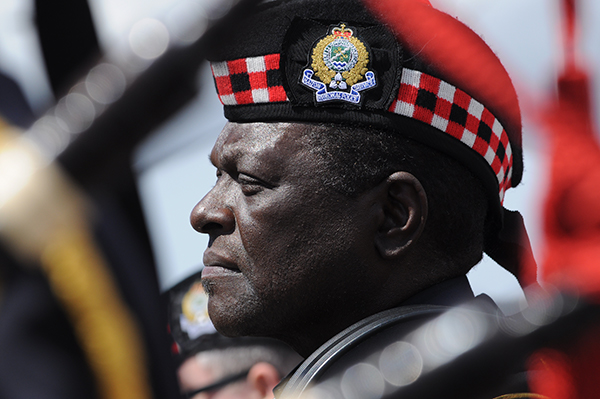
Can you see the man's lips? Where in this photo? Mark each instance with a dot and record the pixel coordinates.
(217, 265)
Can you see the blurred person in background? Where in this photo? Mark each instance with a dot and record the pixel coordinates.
(210, 365)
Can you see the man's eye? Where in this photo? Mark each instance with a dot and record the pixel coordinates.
(249, 184)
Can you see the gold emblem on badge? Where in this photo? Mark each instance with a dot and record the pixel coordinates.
(194, 305)
(339, 62)
(340, 58)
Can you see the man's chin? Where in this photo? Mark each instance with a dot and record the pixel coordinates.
(231, 326)
(234, 318)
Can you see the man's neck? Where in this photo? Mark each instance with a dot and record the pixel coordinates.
(447, 293)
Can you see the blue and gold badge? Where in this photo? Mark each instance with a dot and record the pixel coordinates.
(340, 63)
(194, 318)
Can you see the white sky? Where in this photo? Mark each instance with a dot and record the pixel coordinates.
(524, 34)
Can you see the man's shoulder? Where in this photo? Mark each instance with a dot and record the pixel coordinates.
(353, 345)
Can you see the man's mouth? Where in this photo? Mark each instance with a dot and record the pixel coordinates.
(216, 265)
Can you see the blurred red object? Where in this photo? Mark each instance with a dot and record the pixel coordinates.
(571, 259)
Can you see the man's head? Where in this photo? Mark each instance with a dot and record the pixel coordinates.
(285, 250)
(302, 224)
(238, 372)
(372, 178)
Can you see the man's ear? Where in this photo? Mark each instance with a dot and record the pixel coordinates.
(262, 378)
(404, 207)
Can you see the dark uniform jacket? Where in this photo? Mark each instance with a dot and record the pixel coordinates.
(408, 351)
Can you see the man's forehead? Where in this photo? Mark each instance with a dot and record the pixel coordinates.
(241, 139)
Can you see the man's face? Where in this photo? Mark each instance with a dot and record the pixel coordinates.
(285, 254)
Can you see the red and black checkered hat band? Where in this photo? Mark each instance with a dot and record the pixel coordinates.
(250, 80)
(451, 110)
(422, 97)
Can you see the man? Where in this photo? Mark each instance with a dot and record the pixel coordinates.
(357, 174)
(210, 365)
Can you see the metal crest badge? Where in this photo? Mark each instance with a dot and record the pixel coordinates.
(339, 62)
(194, 318)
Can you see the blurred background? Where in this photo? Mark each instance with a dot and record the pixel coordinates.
(144, 195)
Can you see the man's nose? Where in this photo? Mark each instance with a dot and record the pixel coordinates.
(209, 216)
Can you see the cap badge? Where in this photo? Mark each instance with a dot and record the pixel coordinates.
(194, 318)
(339, 61)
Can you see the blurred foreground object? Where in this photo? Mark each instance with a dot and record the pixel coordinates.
(44, 220)
(572, 210)
(572, 223)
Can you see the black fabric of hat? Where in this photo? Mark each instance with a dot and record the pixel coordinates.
(333, 61)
